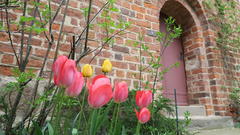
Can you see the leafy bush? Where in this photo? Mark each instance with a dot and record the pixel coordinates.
(57, 113)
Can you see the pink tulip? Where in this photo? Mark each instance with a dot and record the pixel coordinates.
(100, 91)
(76, 87)
(57, 68)
(143, 98)
(120, 93)
(68, 73)
(144, 115)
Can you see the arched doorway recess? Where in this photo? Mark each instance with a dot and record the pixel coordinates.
(194, 52)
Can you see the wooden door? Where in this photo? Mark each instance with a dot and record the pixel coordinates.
(175, 78)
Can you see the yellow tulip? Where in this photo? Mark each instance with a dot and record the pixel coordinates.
(106, 66)
(87, 70)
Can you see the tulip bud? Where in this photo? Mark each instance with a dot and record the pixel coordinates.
(120, 93)
(100, 91)
(76, 87)
(57, 68)
(143, 98)
(106, 66)
(68, 73)
(87, 70)
(144, 115)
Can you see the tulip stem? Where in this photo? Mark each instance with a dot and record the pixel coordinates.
(82, 105)
(138, 129)
(113, 119)
(116, 118)
(93, 122)
(60, 97)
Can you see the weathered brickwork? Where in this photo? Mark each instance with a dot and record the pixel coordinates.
(206, 72)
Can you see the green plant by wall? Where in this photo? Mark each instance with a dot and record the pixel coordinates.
(225, 16)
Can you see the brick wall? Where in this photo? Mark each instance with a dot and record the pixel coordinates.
(205, 69)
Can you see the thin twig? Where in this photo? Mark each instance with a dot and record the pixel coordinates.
(79, 37)
(88, 19)
(140, 68)
(40, 118)
(58, 9)
(58, 41)
(9, 35)
(13, 111)
(25, 61)
(164, 44)
(73, 49)
(105, 43)
(22, 36)
(4, 7)
(83, 54)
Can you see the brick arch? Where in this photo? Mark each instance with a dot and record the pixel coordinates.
(194, 39)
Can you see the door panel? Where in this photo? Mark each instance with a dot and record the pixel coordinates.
(174, 78)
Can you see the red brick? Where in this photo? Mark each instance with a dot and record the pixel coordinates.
(35, 63)
(55, 26)
(74, 13)
(87, 59)
(151, 19)
(131, 58)
(105, 54)
(42, 53)
(144, 24)
(140, 16)
(126, 4)
(73, 4)
(151, 6)
(34, 41)
(6, 70)
(138, 8)
(121, 65)
(123, 49)
(4, 37)
(74, 21)
(6, 48)
(7, 59)
(120, 73)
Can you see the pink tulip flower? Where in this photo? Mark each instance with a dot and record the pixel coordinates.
(67, 75)
(143, 98)
(76, 87)
(120, 93)
(57, 68)
(100, 91)
(144, 115)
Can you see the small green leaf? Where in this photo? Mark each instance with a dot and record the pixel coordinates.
(114, 9)
(50, 129)
(26, 19)
(74, 131)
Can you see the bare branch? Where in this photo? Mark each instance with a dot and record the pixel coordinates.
(105, 43)
(79, 37)
(9, 34)
(88, 19)
(59, 37)
(22, 36)
(58, 9)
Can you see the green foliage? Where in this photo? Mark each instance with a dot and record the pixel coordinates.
(109, 24)
(85, 11)
(1, 25)
(72, 115)
(14, 86)
(23, 77)
(188, 120)
(226, 18)
(48, 128)
(235, 96)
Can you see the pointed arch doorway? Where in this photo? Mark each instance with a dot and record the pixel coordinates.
(176, 77)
